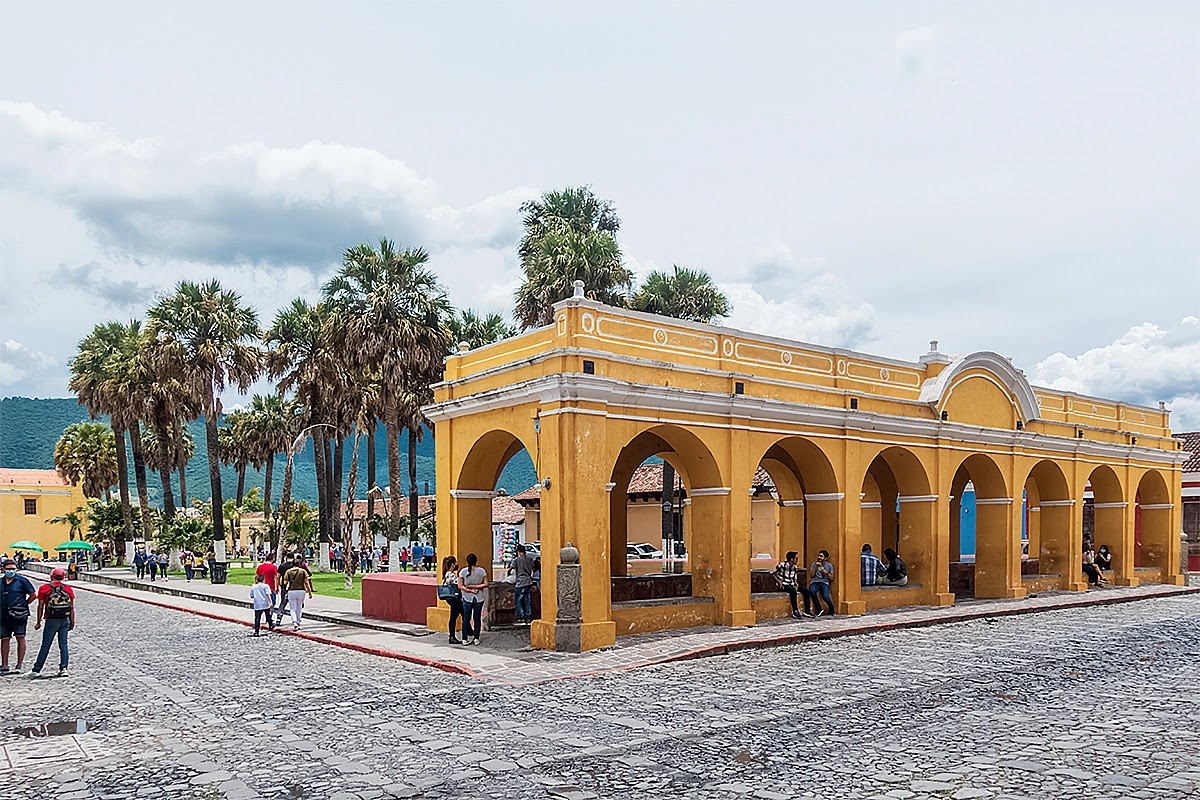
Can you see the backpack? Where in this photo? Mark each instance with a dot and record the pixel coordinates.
(58, 602)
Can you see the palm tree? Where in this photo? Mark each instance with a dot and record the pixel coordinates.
(570, 235)
(72, 518)
(172, 455)
(99, 378)
(684, 294)
(86, 454)
(212, 337)
(270, 427)
(392, 320)
(476, 331)
(302, 358)
(185, 451)
(235, 447)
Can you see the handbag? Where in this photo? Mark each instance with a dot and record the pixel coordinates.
(448, 591)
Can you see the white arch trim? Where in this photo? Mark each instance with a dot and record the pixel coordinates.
(936, 390)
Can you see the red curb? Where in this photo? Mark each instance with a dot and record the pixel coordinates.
(382, 652)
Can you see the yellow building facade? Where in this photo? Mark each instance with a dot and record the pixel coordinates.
(860, 449)
(30, 497)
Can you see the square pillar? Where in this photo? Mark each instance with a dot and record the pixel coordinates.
(464, 525)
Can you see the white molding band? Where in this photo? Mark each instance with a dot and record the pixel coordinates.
(918, 498)
(472, 494)
(993, 501)
(1058, 503)
(812, 498)
(1121, 504)
(608, 487)
(792, 503)
(711, 491)
(32, 493)
(1033, 509)
(1155, 506)
(871, 504)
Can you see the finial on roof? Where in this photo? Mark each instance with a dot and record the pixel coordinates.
(578, 289)
(463, 347)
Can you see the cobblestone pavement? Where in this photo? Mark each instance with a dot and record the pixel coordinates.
(1091, 702)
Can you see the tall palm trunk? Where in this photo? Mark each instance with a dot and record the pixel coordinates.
(162, 427)
(392, 430)
(214, 478)
(183, 487)
(347, 526)
(371, 469)
(319, 462)
(412, 484)
(123, 488)
(139, 477)
(339, 452)
(285, 503)
(268, 479)
(241, 490)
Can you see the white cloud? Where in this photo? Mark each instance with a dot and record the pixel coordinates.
(1146, 365)
(18, 362)
(246, 203)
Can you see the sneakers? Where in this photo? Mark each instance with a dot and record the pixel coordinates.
(295, 627)
(62, 673)
(820, 612)
(455, 640)
(18, 669)
(797, 615)
(467, 642)
(476, 640)
(4, 670)
(34, 675)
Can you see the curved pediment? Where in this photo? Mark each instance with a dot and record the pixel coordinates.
(981, 389)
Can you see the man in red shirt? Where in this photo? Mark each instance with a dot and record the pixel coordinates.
(56, 607)
(270, 575)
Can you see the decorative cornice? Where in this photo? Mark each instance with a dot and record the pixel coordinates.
(792, 503)
(917, 498)
(871, 504)
(472, 494)
(993, 501)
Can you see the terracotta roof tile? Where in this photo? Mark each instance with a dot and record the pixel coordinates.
(1191, 444)
(506, 511)
(31, 477)
(646, 479)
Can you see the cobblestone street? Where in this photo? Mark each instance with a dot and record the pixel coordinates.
(1093, 702)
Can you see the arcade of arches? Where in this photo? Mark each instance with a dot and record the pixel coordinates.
(858, 450)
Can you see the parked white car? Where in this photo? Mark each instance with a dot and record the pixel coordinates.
(642, 551)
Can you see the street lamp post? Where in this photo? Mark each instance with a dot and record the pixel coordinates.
(393, 542)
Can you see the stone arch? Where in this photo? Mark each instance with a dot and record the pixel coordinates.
(898, 482)
(487, 458)
(694, 463)
(997, 552)
(1049, 510)
(1152, 525)
(1109, 512)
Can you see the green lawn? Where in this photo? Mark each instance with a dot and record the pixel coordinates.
(329, 584)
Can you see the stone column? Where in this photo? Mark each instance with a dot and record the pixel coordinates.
(568, 622)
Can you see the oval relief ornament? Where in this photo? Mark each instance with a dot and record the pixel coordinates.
(660, 336)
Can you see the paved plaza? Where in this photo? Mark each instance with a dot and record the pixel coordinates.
(1091, 702)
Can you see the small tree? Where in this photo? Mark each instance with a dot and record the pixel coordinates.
(72, 518)
(187, 533)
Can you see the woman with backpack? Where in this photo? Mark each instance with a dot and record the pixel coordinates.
(449, 591)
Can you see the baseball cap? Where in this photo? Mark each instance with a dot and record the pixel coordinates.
(8, 562)
(58, 573)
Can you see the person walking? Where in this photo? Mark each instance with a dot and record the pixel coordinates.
(472, 582)
(522, 571)
(270, 577)
(152, 565)
(16, 593)
(263, 601)
(404, 558)
(282, 608)
(188, 571)
(298, 581)
(139, 563)
(449, 591)
(56, 607)
(820, 574)
(164, 561)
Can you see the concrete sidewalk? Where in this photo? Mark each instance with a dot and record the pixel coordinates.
(505, 656)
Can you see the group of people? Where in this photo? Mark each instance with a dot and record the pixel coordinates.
(151, 564)
(465, 591)
(813, 585)
(1096, 563)
(421, 556)
(55, 611)
(280, 590)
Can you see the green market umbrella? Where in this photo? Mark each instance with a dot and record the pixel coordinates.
(25, 544)
(76, 545)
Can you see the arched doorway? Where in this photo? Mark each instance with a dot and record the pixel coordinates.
(700, 502)
(897, 512)
(1048, 509)
(1152, 527)
(1107, 508)
(471, 509)
(989, 571)
(794, 507)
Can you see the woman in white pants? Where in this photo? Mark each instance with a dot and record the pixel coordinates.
(298, 582)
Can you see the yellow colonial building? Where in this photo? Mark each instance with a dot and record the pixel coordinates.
(858, 448)
(30, 497)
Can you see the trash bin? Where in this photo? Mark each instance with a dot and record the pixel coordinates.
(220, 572)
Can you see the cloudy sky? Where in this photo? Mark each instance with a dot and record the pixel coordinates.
(1018, 177)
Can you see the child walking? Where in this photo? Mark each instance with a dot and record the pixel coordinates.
(260, 597)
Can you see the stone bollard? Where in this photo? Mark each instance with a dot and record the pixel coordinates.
(569, 589)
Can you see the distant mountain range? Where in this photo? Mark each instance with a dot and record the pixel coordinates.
(29, 429)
